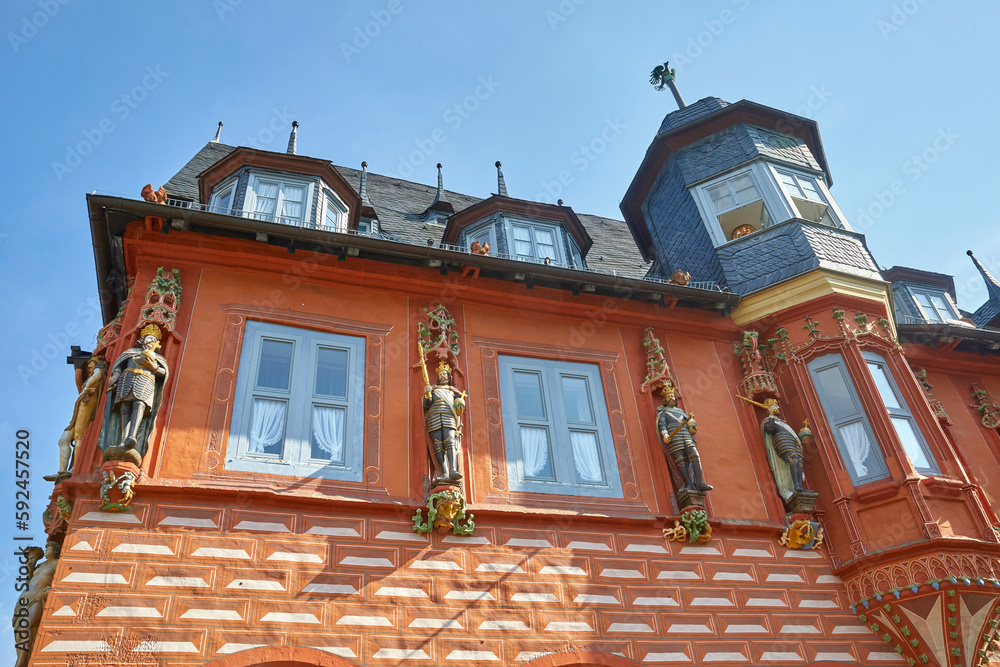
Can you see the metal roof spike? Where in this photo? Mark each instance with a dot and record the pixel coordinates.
(363, 190)
(218, 134)
(439, 195)
(992, 286)
(501, 185)
(293, 139)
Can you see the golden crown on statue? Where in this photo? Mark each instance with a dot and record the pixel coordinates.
(444, 366)
(151, 330)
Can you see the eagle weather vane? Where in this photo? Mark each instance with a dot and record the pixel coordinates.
(662, 76)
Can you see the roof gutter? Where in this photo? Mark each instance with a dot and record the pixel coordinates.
(933, 332)
(333, 242)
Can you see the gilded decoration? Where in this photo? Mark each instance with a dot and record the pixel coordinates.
(802, 534)
(445, 511)
(692, 527)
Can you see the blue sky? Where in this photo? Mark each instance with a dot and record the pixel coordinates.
(110, 96)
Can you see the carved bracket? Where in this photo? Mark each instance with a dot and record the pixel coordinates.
(695, 528)
(445, 511)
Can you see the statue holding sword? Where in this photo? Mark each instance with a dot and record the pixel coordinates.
(677, 430)
(443, 406)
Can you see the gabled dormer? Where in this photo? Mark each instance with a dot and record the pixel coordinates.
(522, 230)
(922, 297)
(282, 188)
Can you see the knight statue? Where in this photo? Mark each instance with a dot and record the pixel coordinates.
(677, 430)
(443, 406)
(136, 384)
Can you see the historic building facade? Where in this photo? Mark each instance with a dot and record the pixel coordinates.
(334, 417)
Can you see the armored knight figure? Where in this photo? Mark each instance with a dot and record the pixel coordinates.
(29, 607)
(443, 406)
(782, 442)
(677, 430)
(136, 381)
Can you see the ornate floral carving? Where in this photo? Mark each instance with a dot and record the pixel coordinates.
(936, 406)
(163, 298)
(657, 371)
(989, 410)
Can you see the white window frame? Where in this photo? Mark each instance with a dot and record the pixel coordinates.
(929, 294)
(227, 187)
(332, 202)
(818, 183)
(295, 458)
(767, 189)
(564, 478)
(876, 457)
(250, 201)
(900, 414)
(553, 228)
(473, 233)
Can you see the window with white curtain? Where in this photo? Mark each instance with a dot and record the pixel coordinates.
(279, 198)
(299, 403)
(899, 414)
(556, 428)
(847, 419)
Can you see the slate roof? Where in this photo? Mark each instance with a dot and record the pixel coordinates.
(989, 311)
(691, 112)
(792, 248)
(401, 205)
(184, 184)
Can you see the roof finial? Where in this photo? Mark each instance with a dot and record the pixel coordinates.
(218, 134)
(367, 209)
(440, 205)
(501, 185)
(662, 76)
(364, 185)
(293, 138)
(992, 286)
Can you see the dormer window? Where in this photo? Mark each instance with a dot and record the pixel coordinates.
(805, 193)
(737, 205)
(484, 234)
(535, 243)
(933, 305)
(284, 200)
(334, 213)
(222, 198)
